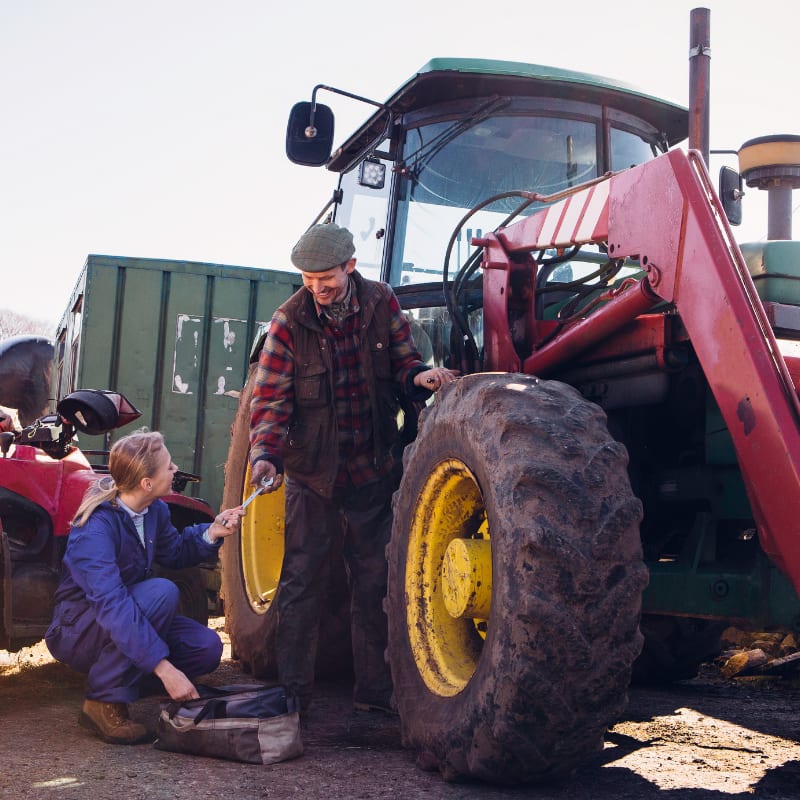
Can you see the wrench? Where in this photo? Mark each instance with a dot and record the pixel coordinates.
(256, 492)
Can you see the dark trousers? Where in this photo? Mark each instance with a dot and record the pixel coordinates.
(313, 531)
(193, 648)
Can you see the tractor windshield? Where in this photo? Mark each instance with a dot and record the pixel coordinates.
(447, 169)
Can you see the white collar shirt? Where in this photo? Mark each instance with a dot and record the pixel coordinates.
(137, 517)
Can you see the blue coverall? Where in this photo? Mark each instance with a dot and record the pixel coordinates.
(112, 619)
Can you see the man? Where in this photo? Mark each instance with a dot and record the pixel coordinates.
(338, 355)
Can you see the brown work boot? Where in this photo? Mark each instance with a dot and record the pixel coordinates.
(112, 723)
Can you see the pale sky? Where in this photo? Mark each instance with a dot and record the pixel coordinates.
(156, 128)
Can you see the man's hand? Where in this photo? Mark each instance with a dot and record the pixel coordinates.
(262, 471)
(435, 378)
(178, 686)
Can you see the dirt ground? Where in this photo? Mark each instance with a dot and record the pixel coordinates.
(698, 740)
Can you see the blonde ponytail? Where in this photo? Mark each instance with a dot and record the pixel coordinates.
(97, 493)
(131, 458)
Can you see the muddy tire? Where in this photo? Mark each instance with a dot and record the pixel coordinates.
(251, 565)
(191, 583)
(675, 648)
(515, 483)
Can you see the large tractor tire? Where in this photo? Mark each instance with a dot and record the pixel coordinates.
(193, 582)
(675, 648)
(251, 568)
(515, 581)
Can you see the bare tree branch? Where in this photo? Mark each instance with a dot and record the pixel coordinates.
(14, 324)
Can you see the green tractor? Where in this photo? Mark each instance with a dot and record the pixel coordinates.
(615, 474)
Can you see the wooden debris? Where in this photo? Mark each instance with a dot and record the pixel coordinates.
(745, 662)
(759, 653)
(789, 645)
(734, 636)
(783, 665)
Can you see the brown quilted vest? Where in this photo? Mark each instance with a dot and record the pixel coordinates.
(311, 448)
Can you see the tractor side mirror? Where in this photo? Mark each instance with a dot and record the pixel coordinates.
(731, 194)
(309, 134)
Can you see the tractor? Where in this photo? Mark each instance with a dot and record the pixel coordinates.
(616, 474)
(44, 475)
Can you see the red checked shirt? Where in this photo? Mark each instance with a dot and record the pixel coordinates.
(273, 395)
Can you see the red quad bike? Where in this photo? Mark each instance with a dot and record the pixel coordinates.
(43, 478)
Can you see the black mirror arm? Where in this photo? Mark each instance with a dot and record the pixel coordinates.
(311, 131)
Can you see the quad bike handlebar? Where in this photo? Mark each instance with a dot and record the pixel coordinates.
(90, 411)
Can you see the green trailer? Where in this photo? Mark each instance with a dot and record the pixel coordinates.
(175, 338)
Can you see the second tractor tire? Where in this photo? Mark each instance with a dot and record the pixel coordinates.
(526, 694)
(251, 565)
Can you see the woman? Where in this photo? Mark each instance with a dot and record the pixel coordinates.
(112, 619)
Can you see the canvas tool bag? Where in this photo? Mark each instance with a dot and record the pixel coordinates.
(252, 723)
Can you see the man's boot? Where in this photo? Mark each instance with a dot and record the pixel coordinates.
(112, 723)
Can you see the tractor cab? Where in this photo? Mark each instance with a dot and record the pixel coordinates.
(462, 131)
(464, 147)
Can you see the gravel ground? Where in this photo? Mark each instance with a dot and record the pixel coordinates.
(698, 740)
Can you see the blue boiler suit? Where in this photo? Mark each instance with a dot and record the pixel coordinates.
(112, 619)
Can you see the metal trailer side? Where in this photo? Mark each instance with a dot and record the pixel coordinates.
(175, 338)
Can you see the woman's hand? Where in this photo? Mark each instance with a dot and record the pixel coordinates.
(178, 686)
(225, 523)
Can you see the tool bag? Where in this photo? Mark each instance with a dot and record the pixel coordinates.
(251, 723)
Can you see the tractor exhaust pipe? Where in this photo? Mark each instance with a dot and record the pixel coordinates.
(699, 80)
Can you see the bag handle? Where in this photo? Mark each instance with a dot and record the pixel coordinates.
(211, 705)
(216, 696)
(204, 690)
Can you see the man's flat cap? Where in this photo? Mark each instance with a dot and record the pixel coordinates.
(323, 247)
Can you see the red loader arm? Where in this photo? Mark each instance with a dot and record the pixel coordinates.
(665, 214)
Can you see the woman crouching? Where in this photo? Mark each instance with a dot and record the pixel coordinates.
(112, 619)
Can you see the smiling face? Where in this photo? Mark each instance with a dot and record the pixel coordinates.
(329, 286)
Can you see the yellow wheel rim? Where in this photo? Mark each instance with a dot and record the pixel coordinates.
(448, 578)
(262, 546)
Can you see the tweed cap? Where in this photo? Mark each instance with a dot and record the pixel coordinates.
(323, 247)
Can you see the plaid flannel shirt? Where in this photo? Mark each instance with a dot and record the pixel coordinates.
(273, 394)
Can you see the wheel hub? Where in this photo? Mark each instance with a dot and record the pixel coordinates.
(448, 578)
(467, 578)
